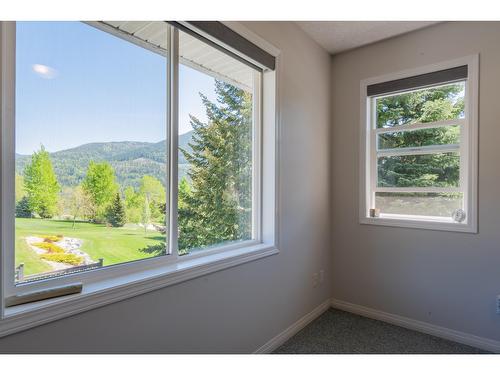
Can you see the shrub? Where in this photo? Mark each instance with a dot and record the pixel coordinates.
(63, 258)
(50, 247)
(51, 238)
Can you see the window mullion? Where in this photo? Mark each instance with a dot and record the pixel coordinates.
(415, 189)
(373, 152)
(419, 126)
(173, 134)
(422, 150)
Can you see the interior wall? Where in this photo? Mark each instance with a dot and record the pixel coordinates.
(239, 309)
(443, 278)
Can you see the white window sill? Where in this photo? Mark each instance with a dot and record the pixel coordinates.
(420, 222)
(103, 292)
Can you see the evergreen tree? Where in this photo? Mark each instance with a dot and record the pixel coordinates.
(41, 184)
(116, 212)
(217, 206)
(23, 208)
(101, 187)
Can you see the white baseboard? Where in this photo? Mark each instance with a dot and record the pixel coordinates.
(416, 325)
(281, 338)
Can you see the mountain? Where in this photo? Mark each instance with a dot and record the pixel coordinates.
(130, 160)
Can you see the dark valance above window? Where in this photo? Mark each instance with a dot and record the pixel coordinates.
(422, 80)
(257, 57)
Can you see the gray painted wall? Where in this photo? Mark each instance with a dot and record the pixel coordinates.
(443, 278)
(239, 309)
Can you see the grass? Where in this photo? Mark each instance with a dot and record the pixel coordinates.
(114, 245)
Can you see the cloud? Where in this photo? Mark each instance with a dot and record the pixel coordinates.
(44, 71)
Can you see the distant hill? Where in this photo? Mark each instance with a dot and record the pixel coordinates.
(130, 160)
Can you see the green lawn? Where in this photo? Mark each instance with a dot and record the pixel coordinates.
(114, 245)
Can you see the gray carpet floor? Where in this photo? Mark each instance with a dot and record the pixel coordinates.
(339, 332)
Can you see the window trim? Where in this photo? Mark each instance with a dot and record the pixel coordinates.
(468, 155)
(118, 282)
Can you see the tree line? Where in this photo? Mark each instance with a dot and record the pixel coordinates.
(97, 199)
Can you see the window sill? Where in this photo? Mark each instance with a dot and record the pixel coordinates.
(104, 292)
(430, 223)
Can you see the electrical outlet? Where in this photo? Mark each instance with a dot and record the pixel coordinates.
(498, 304)
(315, 279)
(321, 276)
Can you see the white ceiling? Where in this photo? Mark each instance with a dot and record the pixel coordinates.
(338, 36)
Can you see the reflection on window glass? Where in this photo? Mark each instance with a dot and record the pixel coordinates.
(430, 170)
(215, 147)
(425, 204)
(417, 138)
(421, 106)
(90, 149)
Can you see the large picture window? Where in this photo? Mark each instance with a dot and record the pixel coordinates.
(419, 146)
(132, 149)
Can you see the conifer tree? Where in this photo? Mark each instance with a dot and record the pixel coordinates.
(116, 212)
(23, 208)
(217, 205)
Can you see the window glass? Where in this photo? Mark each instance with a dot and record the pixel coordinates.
(90, 149)
(421, 106)
(215, 147)
(432, 170)
(425, 204)
(417, 138)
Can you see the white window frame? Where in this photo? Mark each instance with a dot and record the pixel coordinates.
(468, 149)
(117, 282)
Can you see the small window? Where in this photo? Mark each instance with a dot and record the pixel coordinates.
(419, 144)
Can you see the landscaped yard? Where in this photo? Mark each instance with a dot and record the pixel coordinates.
(114, 245)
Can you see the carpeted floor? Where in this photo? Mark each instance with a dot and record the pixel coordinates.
(339, 332)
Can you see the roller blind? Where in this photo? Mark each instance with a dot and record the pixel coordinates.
(442, 76)
(257, 57)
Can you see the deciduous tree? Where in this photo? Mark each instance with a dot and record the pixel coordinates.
(100, 184)
(41, 184)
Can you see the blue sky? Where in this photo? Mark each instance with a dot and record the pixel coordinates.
(76, 85)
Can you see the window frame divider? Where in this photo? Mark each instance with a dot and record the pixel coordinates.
(422, 150)
(417, 189)
(173, 142)
(419, 126)
(7, 55)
